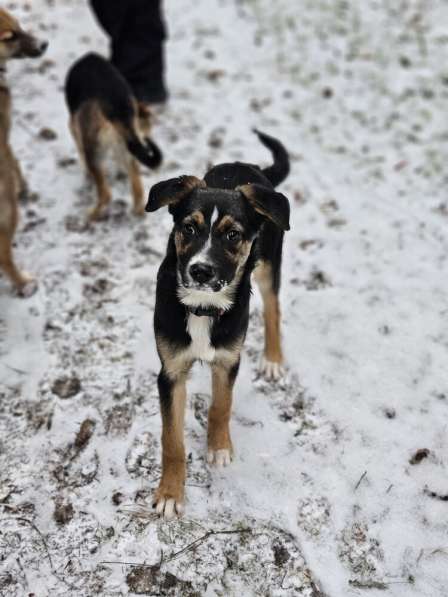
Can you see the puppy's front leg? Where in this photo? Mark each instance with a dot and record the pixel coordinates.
(169, 497)
(220, 449)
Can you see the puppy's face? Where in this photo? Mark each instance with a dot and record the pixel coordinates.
(214, 230)
(213, 234)
(15, 42)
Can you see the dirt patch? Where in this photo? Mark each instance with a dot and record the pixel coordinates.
(149, 580)
(63, 512)
(66, 387)
(419, 456)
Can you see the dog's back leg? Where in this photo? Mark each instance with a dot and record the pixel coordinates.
(137, 187)
(267, 276)
(102, 188)
(86, 126)
(76, 134)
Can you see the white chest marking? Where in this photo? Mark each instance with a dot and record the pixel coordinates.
(199, 330)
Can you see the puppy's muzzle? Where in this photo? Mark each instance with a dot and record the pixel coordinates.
(202, 273)
(32, 47)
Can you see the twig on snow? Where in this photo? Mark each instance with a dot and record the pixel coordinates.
(369, 584)
(15, 369)
(378, 584)
(432, 552)
(200, 540)
(283, 580)
(190, 547)
(133, 564)
(360, 480)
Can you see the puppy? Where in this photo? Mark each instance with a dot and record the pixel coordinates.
(105, 114)
(14, 43)
(225, 226)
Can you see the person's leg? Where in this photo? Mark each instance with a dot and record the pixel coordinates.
(111, 15)
(137, 34)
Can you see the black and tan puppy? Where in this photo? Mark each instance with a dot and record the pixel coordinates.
(225, 226)
(105, 115)
(14, 43)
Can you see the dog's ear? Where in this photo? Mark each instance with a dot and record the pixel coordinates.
(170, 192)
(267, 202)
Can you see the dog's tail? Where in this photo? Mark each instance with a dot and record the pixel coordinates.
(280, 168)
(146, 151)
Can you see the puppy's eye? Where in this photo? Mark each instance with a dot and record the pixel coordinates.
(234, 236)
(189, 230)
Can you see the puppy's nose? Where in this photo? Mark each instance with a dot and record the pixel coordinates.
(202, 272)
(43, 46)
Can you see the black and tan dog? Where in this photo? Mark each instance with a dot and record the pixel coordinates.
(105, 115)
(14, 43)
(225, 226)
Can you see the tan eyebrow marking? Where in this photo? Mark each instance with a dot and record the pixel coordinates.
(181, 246)
(197, 217)
(228, 222)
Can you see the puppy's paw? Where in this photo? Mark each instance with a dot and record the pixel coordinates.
(139, 210)
(28, 286)
(271, 370)
(219, 458)
(168, 504)
(96, 213)
(169, 508)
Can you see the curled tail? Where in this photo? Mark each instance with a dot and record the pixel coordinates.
(280, 168)
(146, 152)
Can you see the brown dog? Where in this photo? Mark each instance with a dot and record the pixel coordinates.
(14, 43)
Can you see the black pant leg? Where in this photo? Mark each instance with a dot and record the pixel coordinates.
(111, 15)
(137, 33)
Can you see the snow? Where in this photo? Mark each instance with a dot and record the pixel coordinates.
(321, 497)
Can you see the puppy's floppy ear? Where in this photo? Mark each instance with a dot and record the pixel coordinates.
(267, 202)
(169, 192)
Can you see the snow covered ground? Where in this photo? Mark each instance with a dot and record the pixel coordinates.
(339, 486)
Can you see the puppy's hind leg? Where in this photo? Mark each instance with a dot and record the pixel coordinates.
(76, 134)
(86, 126)
(137, 187)
(271, 365)
(220, 449)
(95, 169)
(102, 189)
